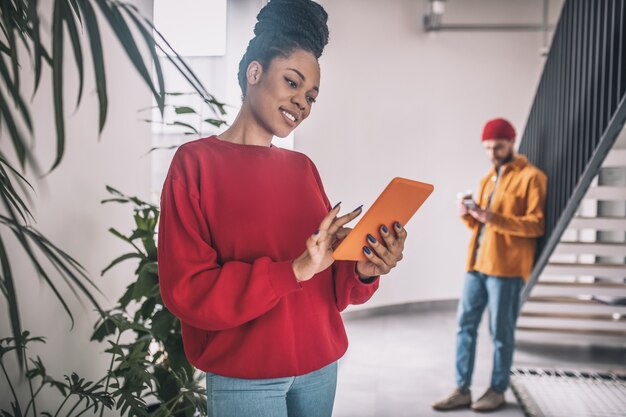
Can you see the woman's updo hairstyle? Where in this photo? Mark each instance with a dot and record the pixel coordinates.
(282, 27)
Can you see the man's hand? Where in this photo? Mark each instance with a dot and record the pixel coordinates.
(483, 216)
(463, 210)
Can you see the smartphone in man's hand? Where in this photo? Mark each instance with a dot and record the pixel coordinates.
(469, 203)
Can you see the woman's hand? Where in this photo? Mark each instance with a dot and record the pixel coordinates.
(382, 257)
(319, 247)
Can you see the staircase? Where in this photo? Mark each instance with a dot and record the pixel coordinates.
(575, 134)
(580, 296)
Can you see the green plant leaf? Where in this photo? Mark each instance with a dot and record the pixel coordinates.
(114, 191)
(17, 97)
(70, 270)
(150, 42)
(17, 138)
(95, 42)
(177, 123)
(121, 259)
(167, 385)
(127, 297)
(9, 32)
(94, 393)
(146, 283)
(176, 353)
(146, 310)
(162, 324)
(184, 110)
(68, 17)
(74, 5)
(114, 232)
(40, 371)
(186, 72)
(157, 148)
(105, 327)
(57, 79)
(33, 16)
(122, 32)
(215, 122)
(9, 286)
(12, 197)
(130, 403)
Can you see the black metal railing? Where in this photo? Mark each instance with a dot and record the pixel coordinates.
(578, 111)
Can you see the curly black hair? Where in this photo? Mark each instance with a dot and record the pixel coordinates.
(282, 27)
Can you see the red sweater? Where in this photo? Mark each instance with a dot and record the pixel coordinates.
(233, 217)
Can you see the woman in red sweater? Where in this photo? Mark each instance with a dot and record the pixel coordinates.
(246, 237)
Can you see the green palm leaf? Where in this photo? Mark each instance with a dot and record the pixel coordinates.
(95, 42)
(76, 46)
(8, 288)
(122, 31)
(21, 25)
(57, 79)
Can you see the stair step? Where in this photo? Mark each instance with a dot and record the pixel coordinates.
(606, 193)
(588, 302)
(615, 317)
(578, 331)
(557, 288)
(617, 271)
(590, 285)
(568, 340)
(616, 158)
(591, 248)
(599, 223)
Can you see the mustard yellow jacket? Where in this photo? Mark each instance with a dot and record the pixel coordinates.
(508, 244)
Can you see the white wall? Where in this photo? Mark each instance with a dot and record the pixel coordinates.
(67, 205)
(396, 101)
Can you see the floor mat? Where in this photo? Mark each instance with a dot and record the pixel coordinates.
(559, 393)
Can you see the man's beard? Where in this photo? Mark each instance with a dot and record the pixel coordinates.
(505, 160)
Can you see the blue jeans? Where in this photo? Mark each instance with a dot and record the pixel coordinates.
(310, 395)
(501, 295)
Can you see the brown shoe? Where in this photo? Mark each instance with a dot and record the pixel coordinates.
(490, 401)
(455, 400)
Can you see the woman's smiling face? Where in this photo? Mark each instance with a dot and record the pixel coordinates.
(282, 94)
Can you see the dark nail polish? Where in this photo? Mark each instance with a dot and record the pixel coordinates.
(398, 226)
(371, 238)
(337, 205)
(385, 230)
(366, 250)
(358, 208)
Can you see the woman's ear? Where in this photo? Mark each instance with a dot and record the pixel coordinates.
(253, 74)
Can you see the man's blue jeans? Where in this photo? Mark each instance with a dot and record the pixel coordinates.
(310, 395)
(501, 296)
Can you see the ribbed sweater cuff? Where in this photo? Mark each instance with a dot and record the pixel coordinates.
(283, 278)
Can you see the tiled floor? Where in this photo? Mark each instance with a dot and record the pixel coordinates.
(398, 364)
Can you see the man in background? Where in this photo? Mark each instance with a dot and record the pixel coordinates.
(506, 219)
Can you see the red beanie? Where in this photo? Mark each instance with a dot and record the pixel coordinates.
(498, 129)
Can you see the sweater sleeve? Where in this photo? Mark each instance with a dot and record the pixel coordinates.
(531, 224)
(349, 288)
(198, 289)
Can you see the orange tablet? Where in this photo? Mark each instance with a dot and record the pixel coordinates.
(398, 202)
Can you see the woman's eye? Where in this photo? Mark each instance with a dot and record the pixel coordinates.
(291, 83)
(311, 100)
